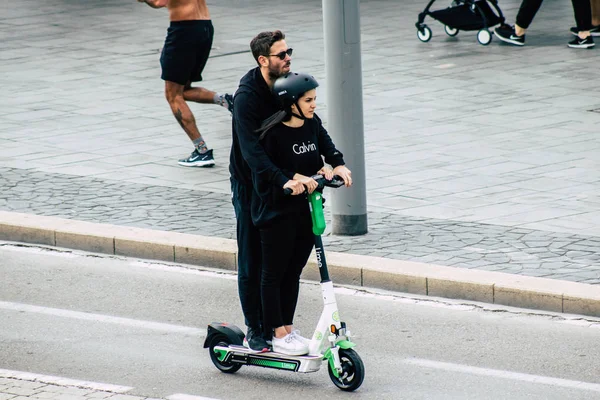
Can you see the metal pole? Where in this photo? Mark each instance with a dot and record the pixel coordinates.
(341, 27)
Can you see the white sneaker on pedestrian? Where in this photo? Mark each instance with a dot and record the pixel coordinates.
(289, 345)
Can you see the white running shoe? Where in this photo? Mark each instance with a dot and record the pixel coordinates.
(289, 345)
(301, 339)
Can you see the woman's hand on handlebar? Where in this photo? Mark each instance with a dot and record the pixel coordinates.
(309, 183)
(295, 186)
(343, 172)
(327, 173)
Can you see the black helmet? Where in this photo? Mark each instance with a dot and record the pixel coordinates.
(289, 87)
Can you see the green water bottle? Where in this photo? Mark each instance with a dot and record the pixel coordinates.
(315, 201)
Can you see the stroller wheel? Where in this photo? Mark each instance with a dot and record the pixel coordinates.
(451, 31)
(484, 37)
(424, 34)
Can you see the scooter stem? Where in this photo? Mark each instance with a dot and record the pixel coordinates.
(329, 316)
(321, 261)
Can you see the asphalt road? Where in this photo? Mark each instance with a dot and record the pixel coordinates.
(133, 323)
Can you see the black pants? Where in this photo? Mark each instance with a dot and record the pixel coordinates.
(286, 246)
(249, 255)
(583, 14)
(527, 12)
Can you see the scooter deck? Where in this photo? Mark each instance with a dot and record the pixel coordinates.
(245, 356)
(243, 349)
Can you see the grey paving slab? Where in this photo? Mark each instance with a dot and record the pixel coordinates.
(23, 389)
(470, 149)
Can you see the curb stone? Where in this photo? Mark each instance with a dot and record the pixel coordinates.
(350, 269)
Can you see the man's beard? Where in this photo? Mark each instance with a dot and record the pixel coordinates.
(276, 73)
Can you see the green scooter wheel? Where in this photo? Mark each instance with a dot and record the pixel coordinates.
(353, 371)
(216, 358)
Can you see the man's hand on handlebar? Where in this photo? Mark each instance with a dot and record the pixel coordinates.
(309, 183)
(295, 186)
(343, 172)
(326, 172)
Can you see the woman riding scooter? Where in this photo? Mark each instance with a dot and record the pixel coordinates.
(296, 142)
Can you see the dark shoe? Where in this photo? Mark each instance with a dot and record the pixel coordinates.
(507, 34)
(579, 43)
(268, 336)
(197, 159)
(255, 341)
(595, 30)
(229, 99)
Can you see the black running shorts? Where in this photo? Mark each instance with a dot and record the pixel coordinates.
(186, 50)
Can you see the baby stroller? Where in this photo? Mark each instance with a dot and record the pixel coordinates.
(465, 15)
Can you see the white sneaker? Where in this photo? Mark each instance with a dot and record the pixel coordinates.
(296, 334)
(289, 345)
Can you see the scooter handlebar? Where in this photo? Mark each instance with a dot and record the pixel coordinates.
(336, 182)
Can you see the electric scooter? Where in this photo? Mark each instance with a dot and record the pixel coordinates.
(330, 342)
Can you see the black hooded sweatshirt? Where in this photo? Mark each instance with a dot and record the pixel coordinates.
(253, 103)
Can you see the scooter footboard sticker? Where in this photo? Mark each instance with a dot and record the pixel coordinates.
(275, 363)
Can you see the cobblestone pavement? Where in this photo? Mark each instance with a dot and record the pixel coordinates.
(482, 157)
(454, 243)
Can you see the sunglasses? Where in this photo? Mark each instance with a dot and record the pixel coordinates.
(282, 55)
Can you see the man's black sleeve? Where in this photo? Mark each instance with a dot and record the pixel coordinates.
(247, 120)
(332, 155)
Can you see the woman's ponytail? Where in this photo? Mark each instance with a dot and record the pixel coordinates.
(267, 124)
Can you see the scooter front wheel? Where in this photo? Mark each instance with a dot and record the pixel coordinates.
(353, 371)
(218, 358)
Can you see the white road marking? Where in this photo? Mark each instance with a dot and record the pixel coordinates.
(546, 380)
(458, 305)
(366, 293)
(181, 396)
(229, 275)
(38, 249)
(580, 322)
(135, 323)
(56, 380)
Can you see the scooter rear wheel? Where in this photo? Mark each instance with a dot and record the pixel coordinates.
(223, 366)
(353, 371)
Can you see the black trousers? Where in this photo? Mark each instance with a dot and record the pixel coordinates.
(527, 12)
(286, 246)
(249, 261)
(583, 14)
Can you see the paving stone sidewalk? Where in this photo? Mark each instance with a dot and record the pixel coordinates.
(24, 389)
(483, 157)
(443, 242)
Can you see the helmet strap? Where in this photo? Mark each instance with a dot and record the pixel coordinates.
(301, 116)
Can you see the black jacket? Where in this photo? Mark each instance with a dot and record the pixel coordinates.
(253, 103)
(297, 150)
